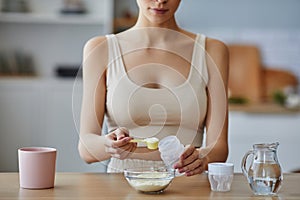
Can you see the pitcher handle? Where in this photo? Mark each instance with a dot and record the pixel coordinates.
(243, 164)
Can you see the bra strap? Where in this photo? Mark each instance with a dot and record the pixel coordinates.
(199, 57)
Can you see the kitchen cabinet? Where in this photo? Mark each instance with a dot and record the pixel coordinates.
(50, 38)
(37, 112)
(248, 128)
(98, 12)
(18, 121)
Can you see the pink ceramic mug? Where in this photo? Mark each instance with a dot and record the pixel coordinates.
(37, 167)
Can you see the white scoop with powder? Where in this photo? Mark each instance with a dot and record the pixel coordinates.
(152, 143)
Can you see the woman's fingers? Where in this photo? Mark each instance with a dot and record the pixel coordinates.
(197, 170)
(121, 143)
(118, 134)
(112, 142)
(190, 163)
(192, 166)
(188, 156)
(121, 133)
(118, 143)
(115, 152)
(123, 152)
(121, 148)
(129, 150)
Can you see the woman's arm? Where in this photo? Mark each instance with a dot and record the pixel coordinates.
(216, 149)
(91, 143)
(194, 161)
(94, 147)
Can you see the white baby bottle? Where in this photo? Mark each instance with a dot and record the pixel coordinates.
(170, 150)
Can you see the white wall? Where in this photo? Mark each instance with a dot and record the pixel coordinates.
(240, 14)
(272, 25)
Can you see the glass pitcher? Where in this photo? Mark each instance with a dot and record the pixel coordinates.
(264, 174)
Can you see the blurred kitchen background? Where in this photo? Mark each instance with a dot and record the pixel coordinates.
(41, 44)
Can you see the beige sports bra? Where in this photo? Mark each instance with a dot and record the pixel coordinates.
(149, 112)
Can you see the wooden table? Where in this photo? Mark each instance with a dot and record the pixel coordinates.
(72, 186)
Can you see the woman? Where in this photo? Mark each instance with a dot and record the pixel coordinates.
(154, 79)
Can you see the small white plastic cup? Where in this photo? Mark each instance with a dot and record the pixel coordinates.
(170, 150)
(220, 176)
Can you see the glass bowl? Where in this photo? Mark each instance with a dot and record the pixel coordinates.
(150, 180)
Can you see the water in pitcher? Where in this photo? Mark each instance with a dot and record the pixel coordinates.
(265, 178)
(264, 174)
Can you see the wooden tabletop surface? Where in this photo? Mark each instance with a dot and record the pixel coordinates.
(92, 186)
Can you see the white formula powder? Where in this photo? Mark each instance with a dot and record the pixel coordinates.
(146, 185)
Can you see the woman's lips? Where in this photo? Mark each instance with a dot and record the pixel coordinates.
(159, 10)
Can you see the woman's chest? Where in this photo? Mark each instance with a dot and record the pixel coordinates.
(154, 68)
(130, 104)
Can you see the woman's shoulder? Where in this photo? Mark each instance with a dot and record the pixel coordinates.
(94, 42)
(95, 53)
(217, 49)
(96, 48)
(212, 44)
(219, 53)
(215, 45)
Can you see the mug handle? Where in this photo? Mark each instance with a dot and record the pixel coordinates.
(244, 160)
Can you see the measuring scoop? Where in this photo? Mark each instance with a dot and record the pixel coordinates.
(152, 143)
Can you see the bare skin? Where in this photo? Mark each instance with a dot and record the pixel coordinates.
(94, 147)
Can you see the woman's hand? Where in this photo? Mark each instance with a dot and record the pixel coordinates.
(118, 144)
(190, 162)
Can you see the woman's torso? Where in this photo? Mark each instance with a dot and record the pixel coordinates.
(159, 90)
